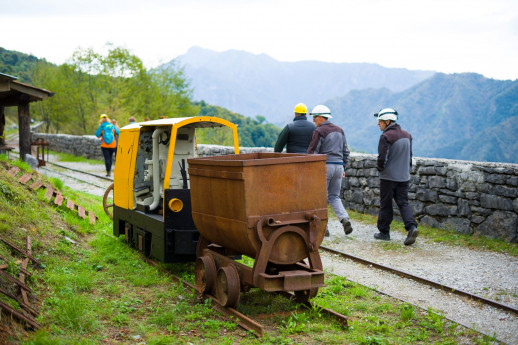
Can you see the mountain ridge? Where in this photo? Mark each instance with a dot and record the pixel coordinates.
(458, 116)
(260, 85)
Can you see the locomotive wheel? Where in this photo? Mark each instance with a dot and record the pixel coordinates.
(107, 196)
(303, 296)
(228, 286)
(205, 272)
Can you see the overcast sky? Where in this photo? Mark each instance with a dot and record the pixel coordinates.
(447, 36)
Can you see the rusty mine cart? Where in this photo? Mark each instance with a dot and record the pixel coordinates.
(271, 207)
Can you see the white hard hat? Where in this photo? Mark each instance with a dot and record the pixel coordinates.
(387, 114)
(321, 110)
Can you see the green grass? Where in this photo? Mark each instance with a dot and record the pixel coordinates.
(65, 157)
(447, 236)
(101, 291)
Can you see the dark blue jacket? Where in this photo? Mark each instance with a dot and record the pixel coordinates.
(295, 136)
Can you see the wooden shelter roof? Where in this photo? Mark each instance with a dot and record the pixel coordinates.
(13, 91)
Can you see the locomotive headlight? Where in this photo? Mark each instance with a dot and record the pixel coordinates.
(175, 205)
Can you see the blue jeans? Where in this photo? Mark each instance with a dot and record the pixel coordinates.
(334, 174)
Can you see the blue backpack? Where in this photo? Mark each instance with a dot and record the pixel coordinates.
(108, 134)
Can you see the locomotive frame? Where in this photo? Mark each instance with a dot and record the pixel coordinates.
(151, 196)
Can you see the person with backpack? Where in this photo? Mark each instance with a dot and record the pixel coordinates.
(107, 133)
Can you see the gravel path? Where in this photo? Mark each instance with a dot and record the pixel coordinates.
(488, 274)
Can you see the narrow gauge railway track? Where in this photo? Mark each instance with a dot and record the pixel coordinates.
(423, 280)
(75, 170)
(76, 178)
(82, 172)
(241, 319)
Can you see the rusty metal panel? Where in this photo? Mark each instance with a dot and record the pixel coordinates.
(25, 178)
(71, 205)
(59, 199)
(296, 280)
(36, 185)
(231, 193)
(49, 193)
(81, 211)
(92, 217)
(13, 171)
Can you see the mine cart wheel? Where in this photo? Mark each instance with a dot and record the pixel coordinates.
(105, 201)
(304, 295)
(205, 272)
(227, 286)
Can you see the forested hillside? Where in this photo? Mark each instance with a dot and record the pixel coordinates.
(460, 116)
(252, 133)
(119, 85)
(18, 64)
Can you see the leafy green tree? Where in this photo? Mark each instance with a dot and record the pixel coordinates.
(252, 133)
(116, 83)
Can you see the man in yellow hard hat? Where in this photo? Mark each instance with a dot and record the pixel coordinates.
(296, 135)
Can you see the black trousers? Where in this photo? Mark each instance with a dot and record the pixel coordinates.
(108, 154)
(399, 192)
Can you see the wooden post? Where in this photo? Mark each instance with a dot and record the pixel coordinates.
(24, 123)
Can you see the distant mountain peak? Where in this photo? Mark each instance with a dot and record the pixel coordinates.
(257, 84)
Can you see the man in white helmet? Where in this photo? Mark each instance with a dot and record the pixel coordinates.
(296, 135)
(394, 162)
(329, 139)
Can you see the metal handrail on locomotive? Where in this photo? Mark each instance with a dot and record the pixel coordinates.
(151, 197)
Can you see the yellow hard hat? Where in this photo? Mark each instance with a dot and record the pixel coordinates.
(301, 108)
(103, 116)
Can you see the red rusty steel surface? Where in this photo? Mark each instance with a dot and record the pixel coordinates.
(241, 319)
(26, 254)
(92, 217)
(81, 211)
(36, 185)
(21, 303)
(230, 194)
(25, 178)
(13, 171)
(19, 315)
(16, 281)
(49, 193)
(59, 199)
(71, 205)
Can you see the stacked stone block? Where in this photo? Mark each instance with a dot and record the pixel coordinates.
(469, 197)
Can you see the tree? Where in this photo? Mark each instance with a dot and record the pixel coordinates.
(116, 83)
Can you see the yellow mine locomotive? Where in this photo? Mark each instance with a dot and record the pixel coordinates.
(152, 205)
(176, 207)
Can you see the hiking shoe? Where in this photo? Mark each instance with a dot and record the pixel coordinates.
(107, 174)
(382, 236)
(412, 235)
(347, 226)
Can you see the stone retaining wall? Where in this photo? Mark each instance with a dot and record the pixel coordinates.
(469, 197)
